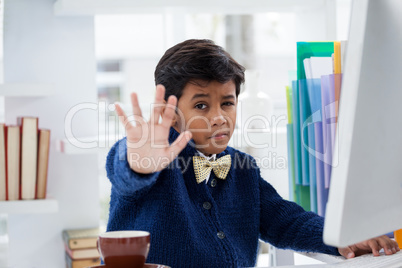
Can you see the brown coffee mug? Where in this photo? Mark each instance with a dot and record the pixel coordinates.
(121, 249)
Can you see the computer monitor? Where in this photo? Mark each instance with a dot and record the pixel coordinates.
(365, 196)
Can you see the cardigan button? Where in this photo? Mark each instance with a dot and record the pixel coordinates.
(221, 235)
(206, 205)
(213, 182)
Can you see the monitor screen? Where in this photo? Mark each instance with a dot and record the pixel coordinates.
(365, 196)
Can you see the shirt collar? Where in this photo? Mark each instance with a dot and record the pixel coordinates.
(209, 158)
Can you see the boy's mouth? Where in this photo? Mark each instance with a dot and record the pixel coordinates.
(220, 135)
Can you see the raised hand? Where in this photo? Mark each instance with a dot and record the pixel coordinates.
(148, 148)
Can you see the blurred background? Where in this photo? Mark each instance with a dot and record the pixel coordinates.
(129, 38)
(128, 47)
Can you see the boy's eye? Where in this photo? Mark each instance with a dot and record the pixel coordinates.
(200, 106)
(228, 103)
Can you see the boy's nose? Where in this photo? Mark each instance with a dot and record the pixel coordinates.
(218, 120)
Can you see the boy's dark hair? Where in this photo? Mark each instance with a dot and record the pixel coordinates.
(193, 61)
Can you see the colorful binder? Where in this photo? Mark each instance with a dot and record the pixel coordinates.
(322, 192)
(306, 50)
(296, 133)
(313, 107)
(293, 194)
(311, 49)
(305, 112)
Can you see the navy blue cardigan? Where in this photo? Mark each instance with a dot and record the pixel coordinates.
(207, 225)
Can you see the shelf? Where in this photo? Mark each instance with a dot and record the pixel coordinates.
(25, 90)
(36, 206)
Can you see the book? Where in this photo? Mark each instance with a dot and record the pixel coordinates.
(326, 109)
(337, 58)
(314, 95)
(303, 192)
(13, 162)
(70, 263)
(337, 89)
(312, 167)
(305, 113)
(82, 238)
(293, 195)
(289, 104)
(83, 253)
(43, 162)
(29, 155)
(3, 173)
(296, 133)
(322, 192)
(304, 197)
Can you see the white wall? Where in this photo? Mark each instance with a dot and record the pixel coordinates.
(42, 48)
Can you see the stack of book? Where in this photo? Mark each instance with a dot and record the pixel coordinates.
(24, 158)
(80, 247)
(313, 98)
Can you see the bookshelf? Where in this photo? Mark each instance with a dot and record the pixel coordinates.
(48, 205)
(49, 69)
(23, 207)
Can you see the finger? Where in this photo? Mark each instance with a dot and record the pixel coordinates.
(136, 107)
(158, 105)
(387, 244)
(395, 246)
(122, 117)
(348, 252)
(179, 144)
(169, 112)
(375, 247)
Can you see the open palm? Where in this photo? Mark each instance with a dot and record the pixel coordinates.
(148, 148)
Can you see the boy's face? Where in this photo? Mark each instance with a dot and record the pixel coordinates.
(208, 110)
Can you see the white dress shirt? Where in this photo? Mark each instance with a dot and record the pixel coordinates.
(209, 158)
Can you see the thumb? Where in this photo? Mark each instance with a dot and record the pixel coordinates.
(179, 144)
(347, 252)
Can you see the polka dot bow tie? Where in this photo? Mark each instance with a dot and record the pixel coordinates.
(202, 167)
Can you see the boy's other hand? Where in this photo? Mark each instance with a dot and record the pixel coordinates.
(148, 148)
(371, 246)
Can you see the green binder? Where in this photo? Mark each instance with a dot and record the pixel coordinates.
(305, 50)
(311, 49)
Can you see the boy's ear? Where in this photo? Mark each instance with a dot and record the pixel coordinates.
(174, 120)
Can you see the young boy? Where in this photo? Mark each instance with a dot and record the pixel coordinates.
(204, 203)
